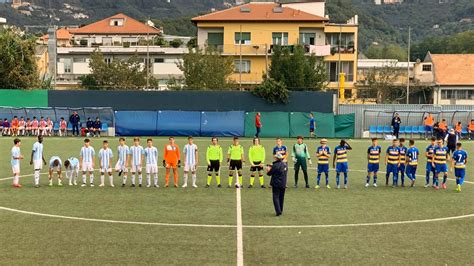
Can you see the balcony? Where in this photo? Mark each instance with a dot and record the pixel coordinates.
(268, 49)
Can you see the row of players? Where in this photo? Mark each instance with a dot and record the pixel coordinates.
(43, 127)
(399, 160)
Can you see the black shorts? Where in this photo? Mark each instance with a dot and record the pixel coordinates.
(257, 167)
(235, 164)
(214, 167)
(451, 149)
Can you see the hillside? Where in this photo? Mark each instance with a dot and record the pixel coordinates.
(383, 24)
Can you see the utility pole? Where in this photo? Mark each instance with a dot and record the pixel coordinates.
(408, 65)
(240, 59)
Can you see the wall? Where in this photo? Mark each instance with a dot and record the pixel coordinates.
(191, 101)
(24, 98)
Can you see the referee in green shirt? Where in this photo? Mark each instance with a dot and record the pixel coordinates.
(300, 154)
(235, 159)
(214, 158)
(257, 161)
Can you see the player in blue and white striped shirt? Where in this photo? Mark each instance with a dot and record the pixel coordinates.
(136, 159)
(122, 163)
(71, 166)
(190, 161)
(151, 157)
(105, 159)
(55, 164)
(87, 157)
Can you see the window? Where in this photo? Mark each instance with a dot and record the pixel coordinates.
(280, 38)
(117, 22)
(307, 38)
(67, 65)
(457, 94)
(243, 66)
(215, 38)
(344, 41)
(346, 67)
(79, 60)
(242, 38)
(159, 60)
(108, 60)
(426, 67)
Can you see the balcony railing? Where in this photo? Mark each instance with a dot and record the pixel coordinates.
(268, 49)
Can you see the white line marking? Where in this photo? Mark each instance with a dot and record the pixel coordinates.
(363, 224)
(240, 237)
(234, 226)
(115, 221)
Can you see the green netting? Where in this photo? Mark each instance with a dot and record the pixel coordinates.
(275, 124)
(324, 125)
(24, 98)
(344, 125)
(299, 124)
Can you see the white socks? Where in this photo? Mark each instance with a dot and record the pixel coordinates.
(194, 179)
(111, 179)
(16, 180)
(148, 179)
(124, 180)
(156, 179)
(133, 179)
(140, 178)
(37, 177)
(185, 179)
(84, 180)
(102, 179)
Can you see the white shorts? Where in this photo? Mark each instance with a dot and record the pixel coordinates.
(38, 164)
(189, 167)
(136, 168)
(106, 170)
(151, 169)
(16, 169)
(87, 167)
(120, 167)
(21, 128)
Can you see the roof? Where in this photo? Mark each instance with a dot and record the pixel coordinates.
(260, 12)
(453, 69)
(61, 34)
(130, 26)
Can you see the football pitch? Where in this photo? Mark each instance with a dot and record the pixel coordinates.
(384, 225)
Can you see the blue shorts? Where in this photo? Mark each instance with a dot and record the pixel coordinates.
(430, 168)
(392, 168)
(373, 167)
(429, 128)
(459, 172)
(402, 167)
(441, 168)
(342, 168)
(323, 168)
(411, 170)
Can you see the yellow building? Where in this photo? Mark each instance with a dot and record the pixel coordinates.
(250, 31)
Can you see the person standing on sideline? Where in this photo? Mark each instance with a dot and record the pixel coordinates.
(15, 162)
(470, 129)
(299, 155)
(458, 128)
(257, 161)
(37, 159)
(171, 160)
(451, 140)
(459, 162)
(258, 124)
(214, 157)
(75, 120)
(429, 123)
(342, 166)
(443, 128)
(191, 162)
(279, 172)
(312, 126)
(396, 121)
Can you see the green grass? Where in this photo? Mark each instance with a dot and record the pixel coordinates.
(31, 239)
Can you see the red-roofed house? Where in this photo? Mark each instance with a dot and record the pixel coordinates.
(450, 75)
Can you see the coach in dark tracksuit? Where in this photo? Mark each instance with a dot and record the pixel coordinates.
(278, 171)
(75, 119)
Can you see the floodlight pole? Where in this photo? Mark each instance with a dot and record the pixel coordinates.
(408, 65)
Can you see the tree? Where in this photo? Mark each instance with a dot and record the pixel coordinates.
(383, 81)
(119, 74)
(272, 91)
(297, 70)
(391, 51)
(18, 69)
(176, 43)
(206, 70)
